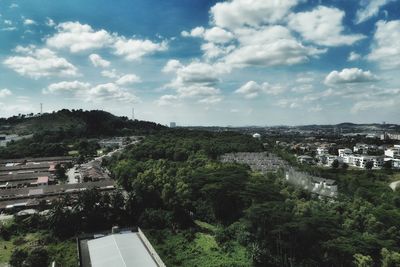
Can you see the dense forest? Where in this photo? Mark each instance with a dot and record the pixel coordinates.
(174, 182)
(54, 133)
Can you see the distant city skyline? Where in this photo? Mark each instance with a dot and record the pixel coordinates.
(236, 62)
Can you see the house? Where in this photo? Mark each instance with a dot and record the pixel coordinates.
(322, 151)
(42, 180)
(331, 158)
(118, 249)
(304, 159)
(393, 152)
(344, 151)
(364, 148)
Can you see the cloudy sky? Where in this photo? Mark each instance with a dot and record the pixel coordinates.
(204, 62)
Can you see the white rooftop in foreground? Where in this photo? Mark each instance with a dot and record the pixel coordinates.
(120, 250)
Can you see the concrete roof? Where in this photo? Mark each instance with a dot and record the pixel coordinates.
(120, 250)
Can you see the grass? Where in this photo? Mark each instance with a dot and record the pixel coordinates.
(196, 249)
(63, 252)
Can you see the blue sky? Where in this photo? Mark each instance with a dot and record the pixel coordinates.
(237, 62)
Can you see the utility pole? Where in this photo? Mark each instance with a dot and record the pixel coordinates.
(41, 108)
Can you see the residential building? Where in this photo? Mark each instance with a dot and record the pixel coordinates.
(344, 151)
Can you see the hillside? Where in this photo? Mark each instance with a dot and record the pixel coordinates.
(55, 134)
(87, 123)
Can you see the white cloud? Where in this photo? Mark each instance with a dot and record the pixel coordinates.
(14, 5)
(110, 91)
(323, 26)
(353, 56)
(218, 35)
(5, 92)
(214, 99)
(37, 63)
(386, 48)
(374, 104)
(78, 37)
(353, 75)
(215, 34)
(112, 74)
(128, 79)
(197, 80)
(212, 50)
(134, 49)
(316, 108)
(252, 89)
(50, 22)
(28, 22)
(172, 66)
(66, 86)
(167, 100)
(195, 32)
(370, 9)
(88, 93)
(8, 22)
(98, 61)
(238, 13)
(303, 88)
(269, 46)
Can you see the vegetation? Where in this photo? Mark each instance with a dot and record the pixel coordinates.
(198, 211)
(54, 132)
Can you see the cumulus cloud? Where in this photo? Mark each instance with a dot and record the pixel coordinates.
(110, 91)
(197, 80)
(323, 26)
(252, 89)
(37, 63)
(5, 92)
(77, 37)
(134, 49)
(214, 35)
(353, 56)
(386, 47)
(128, 79)
(353, 75)
(167, 100)
(112, 74)
(66, 86)
(237, 13)
(373, 104)
(98, 61)
(172, 66)
(28, 22)
(89, 93)
(370, 9)
(270, 46)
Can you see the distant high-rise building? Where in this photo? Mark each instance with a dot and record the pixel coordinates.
(172, 124)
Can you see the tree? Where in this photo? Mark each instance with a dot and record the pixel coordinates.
(335, 164)
(388, 165)
(345, 166)
(60, 173)
(38, 257)
(390, 258)
(18, 257)
(369, 165)
(363, 260)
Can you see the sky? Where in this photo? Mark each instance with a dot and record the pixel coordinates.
(204, 62)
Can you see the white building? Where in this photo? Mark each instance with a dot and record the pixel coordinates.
(344, 151)
(257, 135)
(304, 159)
(322, 151)
(393, 152)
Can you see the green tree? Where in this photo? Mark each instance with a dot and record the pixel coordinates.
(335, 164)
(369, 165)
(363, 260)
(18, 257)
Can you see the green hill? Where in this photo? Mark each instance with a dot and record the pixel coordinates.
(84, 123)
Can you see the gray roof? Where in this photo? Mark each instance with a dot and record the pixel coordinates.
(120, 250)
